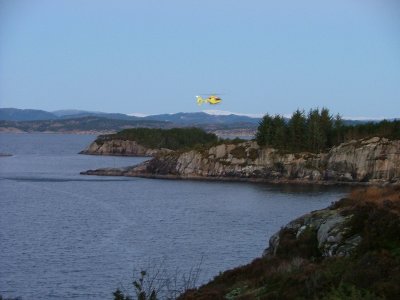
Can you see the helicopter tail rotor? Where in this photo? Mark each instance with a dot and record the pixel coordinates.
(200, 100)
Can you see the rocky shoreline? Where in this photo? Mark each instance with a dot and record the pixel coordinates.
(346, 251)
(117, 147)
(131, 172)
(374, 161)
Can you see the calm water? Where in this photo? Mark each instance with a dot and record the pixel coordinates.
(69, 236)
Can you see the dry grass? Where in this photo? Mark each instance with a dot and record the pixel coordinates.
(376, 194)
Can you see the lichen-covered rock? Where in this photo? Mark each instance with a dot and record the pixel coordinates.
(329, 229)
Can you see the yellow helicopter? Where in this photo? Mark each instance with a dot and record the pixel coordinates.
(212, 99)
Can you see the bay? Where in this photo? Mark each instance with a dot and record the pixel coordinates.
(70, 236)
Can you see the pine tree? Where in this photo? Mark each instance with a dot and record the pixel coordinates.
(325, 125)
(297, 131)
(313, 130)
(264, 131)
(279, 133)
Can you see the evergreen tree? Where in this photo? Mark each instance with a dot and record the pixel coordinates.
(264, 133)
(297, 131)
(337, 131)
(279, 133)
(313, 130)
(325, 128)
(318, 132)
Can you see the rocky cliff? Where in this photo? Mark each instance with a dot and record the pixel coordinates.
(121, 148)
(375, 160)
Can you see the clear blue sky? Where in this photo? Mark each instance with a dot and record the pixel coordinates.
(154, 56)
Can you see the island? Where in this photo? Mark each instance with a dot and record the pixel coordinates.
(366, 161)
(318, 148)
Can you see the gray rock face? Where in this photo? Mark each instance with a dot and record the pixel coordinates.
(376, 160)
(330, 229)
(373, 161)
(121, 148)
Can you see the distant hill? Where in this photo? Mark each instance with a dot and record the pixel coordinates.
(84, 124)
(358, 122)
(82, 114)
(30, 120)
(182, 119)
(15, 114)
(69, 112)
(202, 118)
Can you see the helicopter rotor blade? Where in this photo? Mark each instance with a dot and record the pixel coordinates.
(211, 94)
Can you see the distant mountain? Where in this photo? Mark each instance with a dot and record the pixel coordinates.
(112, 116)
(15, 114)
(201, 118)
(216, 120)
(74, 113)
(182, 119)
(69, 112)
(358, 122)
(78, 125)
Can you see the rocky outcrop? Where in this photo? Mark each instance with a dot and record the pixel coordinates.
(328, 228)
(375, 160)
(121, 148)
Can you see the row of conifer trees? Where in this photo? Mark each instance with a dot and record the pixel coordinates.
(317, 131)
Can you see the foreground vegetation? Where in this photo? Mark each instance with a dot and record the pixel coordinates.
(157, 282)
(318, 131)
(298, 271)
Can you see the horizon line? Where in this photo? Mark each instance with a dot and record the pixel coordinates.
(214, 112)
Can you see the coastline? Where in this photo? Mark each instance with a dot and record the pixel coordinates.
(366, 162)
(125, 172)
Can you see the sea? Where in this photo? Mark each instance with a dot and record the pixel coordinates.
(69, 236)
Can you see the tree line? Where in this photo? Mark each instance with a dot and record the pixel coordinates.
(317, 131)
(174, 139)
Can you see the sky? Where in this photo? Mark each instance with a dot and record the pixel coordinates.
(155, 56)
